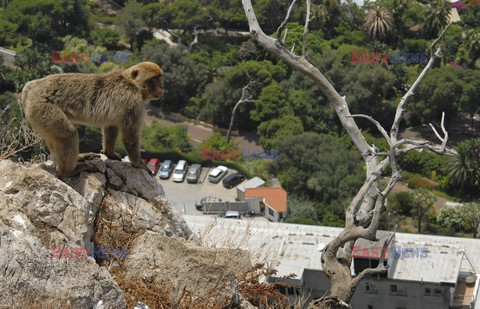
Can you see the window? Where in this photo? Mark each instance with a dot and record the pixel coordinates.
(437, 292)
(270, 211)
(291, 291)
(393, 288)
(367, 287)
(427, 291)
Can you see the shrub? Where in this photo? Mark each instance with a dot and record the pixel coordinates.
(418, 181)
(451, 218)
(402, 201)
(424, 163)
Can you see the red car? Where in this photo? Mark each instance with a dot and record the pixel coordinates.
(153, 165)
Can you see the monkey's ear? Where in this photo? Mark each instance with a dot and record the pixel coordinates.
(134, 74)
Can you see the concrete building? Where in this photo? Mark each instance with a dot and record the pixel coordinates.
(255, 182)
(424, 271)
(272, 201)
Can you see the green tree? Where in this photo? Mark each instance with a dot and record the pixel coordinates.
(471, 216)
(464, 167)
(300, 209)
(43, 21)
(320, 167)
(104, 37)
(437, 17)
(31, 64)
(451, 218)
(270, 104)
(423, 200)
(402, 201)
(157, 138)
(273, 130)
(218, 142)
(130, 21)
(440, 91)
(378, 22)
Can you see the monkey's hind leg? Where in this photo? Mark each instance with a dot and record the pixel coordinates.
(61, 137)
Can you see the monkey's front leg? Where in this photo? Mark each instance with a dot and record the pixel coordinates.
(110, 134)
(131, 141)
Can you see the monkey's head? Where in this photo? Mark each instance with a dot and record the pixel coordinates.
(147, 77)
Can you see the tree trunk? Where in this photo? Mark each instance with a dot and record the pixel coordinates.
(420, 218)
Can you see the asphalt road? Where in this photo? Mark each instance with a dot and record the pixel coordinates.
(183, 195)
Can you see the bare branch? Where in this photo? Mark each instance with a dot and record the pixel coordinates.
(445, 133)
(285, 36)
(398, 114)
(439, 38)
(305, 29)
(377, 124)
(195, 40)
(243, 99)
(282, 25)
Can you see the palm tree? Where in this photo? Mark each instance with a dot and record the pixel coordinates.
(437, 17)
(464, 168)
(378, 22)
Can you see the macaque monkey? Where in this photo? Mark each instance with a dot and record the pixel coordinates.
(115, 101)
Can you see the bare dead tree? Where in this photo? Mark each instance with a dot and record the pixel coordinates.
(243, 99)
(362, 216)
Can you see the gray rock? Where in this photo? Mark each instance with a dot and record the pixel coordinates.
(39, 211)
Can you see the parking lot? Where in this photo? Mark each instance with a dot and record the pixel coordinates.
(183, 195)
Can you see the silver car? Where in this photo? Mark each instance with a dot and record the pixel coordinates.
(166, 169)
(194, 173)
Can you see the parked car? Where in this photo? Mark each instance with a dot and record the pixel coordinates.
(217, 174)
(231, 214)
(153, 165)
(204, 202)
(232, 180)
(194, 173)
(166, 169)
(180, 171)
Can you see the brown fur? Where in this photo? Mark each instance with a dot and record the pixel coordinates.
(114, 101)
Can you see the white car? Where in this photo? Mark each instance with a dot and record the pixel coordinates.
(217, 174)
(180, 171)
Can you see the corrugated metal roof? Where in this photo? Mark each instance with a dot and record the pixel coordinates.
(442, 265)
(290, 248)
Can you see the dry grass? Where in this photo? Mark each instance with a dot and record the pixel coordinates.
(263, 294)
(113, 233)
(15, 140)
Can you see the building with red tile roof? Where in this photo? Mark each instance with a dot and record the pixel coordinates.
(272, 199)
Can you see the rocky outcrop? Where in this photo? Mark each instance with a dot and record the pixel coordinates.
(61, 239)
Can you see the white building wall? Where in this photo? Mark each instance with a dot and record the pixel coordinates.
(378, 295)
